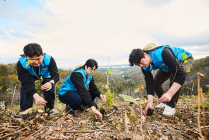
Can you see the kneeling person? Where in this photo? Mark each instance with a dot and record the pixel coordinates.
(74, 92)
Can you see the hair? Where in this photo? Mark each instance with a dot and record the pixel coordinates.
(136, 56)
(89, 63)
(32, 49)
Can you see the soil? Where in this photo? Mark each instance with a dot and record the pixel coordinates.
(115, 125)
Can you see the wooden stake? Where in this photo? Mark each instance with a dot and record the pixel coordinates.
(203, 109)
(199, 75)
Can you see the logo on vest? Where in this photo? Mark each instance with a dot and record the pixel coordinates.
(44, 68)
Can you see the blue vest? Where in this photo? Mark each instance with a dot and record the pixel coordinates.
(156, 56)
(43, 68)
(69, 86)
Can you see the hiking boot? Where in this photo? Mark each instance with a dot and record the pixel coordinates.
(169, 111)
(83, 108)
(69, 110)
(160, 106)
(53, 111)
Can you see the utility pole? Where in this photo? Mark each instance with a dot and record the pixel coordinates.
(107, 73)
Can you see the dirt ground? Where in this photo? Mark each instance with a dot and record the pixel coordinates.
(115, 125)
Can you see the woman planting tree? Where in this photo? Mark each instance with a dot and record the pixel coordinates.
(74, 92)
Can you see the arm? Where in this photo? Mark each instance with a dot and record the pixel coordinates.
(94, 90)
(149, 82)
(53, 73)
(150, 88)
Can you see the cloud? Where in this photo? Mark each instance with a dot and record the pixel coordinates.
(191, 40)
(153, 3)
(74, 31)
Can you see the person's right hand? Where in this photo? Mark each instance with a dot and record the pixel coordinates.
(149, 105)
(39, 100)
(96, 113)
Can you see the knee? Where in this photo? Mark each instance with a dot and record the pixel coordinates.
(77, 101)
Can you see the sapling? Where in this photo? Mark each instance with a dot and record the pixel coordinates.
(150, 111)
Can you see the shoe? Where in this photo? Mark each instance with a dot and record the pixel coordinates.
(160, 106)
(83, 108)
(69, 110)
(169, 111)
(20, 114)
(53, 111)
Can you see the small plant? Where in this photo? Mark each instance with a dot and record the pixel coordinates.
(29, 62)
(48, 111)
(108, 93)
(195, 106)
(150, 111)
(9, 93)
(110, 100)
(4, 117)
(9, 90)
(102, 110)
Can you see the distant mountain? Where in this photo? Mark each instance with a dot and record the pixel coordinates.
(119, 68)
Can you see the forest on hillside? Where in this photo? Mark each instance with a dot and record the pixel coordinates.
(132, 78)
(10, 85)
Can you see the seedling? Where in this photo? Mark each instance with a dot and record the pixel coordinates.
(29, 62)
(102, 110)
(150, 111)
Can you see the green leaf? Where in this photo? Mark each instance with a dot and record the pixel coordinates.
(29, 62)
(41, 78)
(108, 71)
(185, 61)
(129, 99)
(188, 69)
(185, 56)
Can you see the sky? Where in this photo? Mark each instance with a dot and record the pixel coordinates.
(72, 31)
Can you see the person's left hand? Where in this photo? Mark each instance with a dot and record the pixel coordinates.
(165, 98)
(103, 98)
(47, 86)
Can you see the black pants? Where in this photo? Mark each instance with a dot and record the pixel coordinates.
(26, 101)
(74, 100)
(162, 76)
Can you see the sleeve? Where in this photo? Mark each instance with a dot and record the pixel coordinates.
(26, 80)
(77, 80)
(53, 70)
(174, 65)
(93, 88)
(149, 82)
